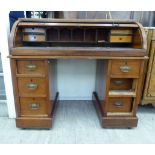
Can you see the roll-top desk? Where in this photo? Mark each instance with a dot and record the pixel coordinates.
(119, 48)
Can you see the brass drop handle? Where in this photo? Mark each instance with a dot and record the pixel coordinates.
(32, 86)
(118, 82)
(125, 69)
(31, 67)
(118, 104)
(34, 106)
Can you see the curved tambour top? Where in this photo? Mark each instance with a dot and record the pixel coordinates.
(77, 37)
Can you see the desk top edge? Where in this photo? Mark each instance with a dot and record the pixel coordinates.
(77, 20)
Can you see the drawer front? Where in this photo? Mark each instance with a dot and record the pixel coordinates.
(33, 37)
(118, 36)
(32, 87)
(34, 30)
(120, 104)
(123, 31)
(120, 84)
(30, 67)
(33, 106)
(121, 39)
(125, 68)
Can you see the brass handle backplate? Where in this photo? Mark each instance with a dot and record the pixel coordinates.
(32, 86)
(125, 69)
(31, 67)
(34, 106)
(118, 104)
(118, 82)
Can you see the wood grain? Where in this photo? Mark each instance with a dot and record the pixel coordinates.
(22, 67)
(24, 91)
(26, 106)
(134, 68)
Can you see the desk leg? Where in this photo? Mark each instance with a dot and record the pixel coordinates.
(55, 104)
(98, 107)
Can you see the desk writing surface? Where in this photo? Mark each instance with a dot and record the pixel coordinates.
(79, 51)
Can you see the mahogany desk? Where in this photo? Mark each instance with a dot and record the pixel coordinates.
(118, 46)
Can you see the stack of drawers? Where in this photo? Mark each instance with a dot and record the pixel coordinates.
(120, 36)
(32, 97)
(122, 93)
(34, 34)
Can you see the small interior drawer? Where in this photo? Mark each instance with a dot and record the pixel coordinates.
(120, 39)
(121, 32)
(32, 87)
(119, 104)
(125, 68)
(118, 36)
(34, 37)
(30, 67)
(33, 107)
(36, 30)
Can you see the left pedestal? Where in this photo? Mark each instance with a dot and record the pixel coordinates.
(34, 104)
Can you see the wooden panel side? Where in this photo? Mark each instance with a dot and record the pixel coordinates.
(53, 79)
(137, 39)
(15, 85)
(138, 89)
(47, 79)
(101, 80)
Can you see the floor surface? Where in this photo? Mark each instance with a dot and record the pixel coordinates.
(76, 122)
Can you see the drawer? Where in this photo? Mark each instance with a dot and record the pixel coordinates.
(30, 67)
(33, 106)
(120, 39)
(120, 104)
(32, 87)
(34, 37)
(121, 84)
(125, 68)
(34, 30)
(118, 36)
(121, 32)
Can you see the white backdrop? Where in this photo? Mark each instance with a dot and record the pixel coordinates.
(76, 79)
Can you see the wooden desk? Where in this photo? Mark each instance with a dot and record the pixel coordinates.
(118, 46)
